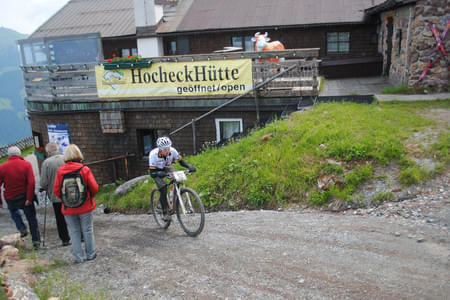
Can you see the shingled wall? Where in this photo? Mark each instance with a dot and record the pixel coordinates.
(85, 130)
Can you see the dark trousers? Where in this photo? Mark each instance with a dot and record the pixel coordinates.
(30, 214)
(162, 187)
(61, 223)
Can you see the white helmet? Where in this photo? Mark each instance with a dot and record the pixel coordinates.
(163, 142)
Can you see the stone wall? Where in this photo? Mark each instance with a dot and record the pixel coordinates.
(411, 52)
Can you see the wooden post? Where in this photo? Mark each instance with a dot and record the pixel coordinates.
(194, 137)
(126, 166)
(315, 74)
(114, 170)
(257, 105)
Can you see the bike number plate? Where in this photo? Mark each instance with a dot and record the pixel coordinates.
(179, 176)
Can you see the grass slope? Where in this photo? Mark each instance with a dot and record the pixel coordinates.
(283, 162)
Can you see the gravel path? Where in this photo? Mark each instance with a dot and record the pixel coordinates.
(358, 254)
(397, 250)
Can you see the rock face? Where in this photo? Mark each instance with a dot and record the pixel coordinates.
(413, 44)
(17, 272)
(11, 239)
(20, 290)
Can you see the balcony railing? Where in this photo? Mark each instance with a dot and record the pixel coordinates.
(75, 84)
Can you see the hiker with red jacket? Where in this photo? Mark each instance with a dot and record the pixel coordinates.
(16, 175)
(79, 219)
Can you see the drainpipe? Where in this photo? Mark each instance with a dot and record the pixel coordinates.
(406, 69)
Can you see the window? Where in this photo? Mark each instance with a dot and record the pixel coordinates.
(236, 41)
(225, 128)
(34, 54)
(83, 48)
(244, 42)
(74, 51)
(338, 42)
(146, 140)
(399, 41)
(37, 139)
(177, 46)
(183, 45)
(173, 48)
(129, 51)
(125, 52)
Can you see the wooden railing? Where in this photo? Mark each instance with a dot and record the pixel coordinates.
(60, 83)
(76, 82)
(22, 144)
(119, 165)
(299, 81)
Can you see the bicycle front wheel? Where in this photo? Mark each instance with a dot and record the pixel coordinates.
(157, 210)
(190, 212)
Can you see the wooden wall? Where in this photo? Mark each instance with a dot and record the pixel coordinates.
(362, 39)
(363, 44)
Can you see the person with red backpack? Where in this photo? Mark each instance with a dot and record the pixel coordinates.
(76, 186)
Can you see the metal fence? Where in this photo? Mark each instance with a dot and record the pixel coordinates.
(22, 144)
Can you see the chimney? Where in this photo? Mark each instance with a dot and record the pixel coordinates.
(146, 17)
(144, 13)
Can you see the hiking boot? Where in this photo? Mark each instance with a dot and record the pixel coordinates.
(77, 262)
(23, 233)
(93, 257)
(36, 245)
(66, 243)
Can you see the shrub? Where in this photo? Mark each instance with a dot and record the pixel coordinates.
(412, 175)
(319, 198)
(382, 197)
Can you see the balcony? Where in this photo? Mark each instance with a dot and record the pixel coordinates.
(67, 87)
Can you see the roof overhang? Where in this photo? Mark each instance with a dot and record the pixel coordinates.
(258, 28)
(388, 5)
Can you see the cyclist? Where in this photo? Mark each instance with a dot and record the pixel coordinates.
(160, 164)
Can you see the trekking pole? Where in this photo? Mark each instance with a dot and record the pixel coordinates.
(45, 216)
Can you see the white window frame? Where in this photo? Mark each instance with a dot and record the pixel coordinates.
(241, 128)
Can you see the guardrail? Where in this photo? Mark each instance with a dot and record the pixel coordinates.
(22, 144)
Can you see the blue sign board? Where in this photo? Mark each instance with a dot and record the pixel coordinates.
(59, 134)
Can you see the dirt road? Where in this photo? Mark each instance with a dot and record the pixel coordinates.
(262, 255)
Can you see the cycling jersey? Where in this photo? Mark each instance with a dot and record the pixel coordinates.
(157, 161)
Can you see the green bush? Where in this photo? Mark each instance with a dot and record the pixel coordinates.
(382, 197)
(441, 148)
(413, 174)
(319, 198)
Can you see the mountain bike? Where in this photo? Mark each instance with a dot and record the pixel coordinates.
(183, 201)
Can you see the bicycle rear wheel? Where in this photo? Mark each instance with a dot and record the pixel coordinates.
(192, 219)
(157, 210)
